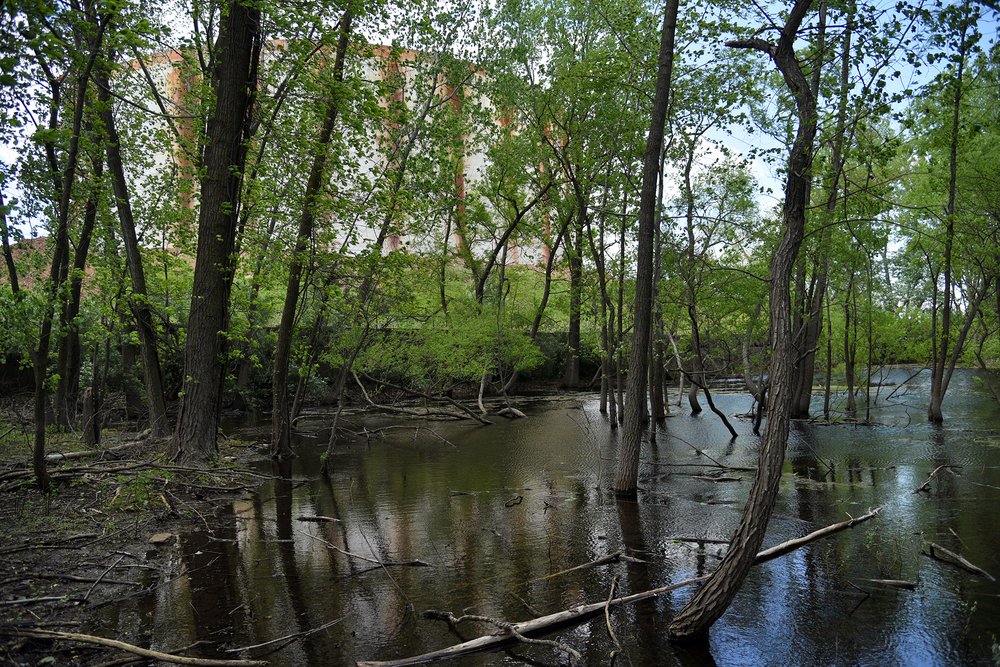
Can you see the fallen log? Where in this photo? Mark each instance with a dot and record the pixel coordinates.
(894, 583)
(954, 559)
(318, 519)
(129, 648)
(582, 612)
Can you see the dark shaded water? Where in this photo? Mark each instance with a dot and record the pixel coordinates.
(494, 510)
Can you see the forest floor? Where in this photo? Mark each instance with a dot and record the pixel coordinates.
(103, 533)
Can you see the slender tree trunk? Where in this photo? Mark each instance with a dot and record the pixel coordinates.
(850, 345)
(627, 480)
(68, 362)
(934, 414)
(656, 398)
(139, 302)
(712, 600)
(234, 81)
(8, 255)
(281, 422)
(620, 334)
(571, 373)
(60, 261)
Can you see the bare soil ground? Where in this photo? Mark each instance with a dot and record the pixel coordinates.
(87, 544)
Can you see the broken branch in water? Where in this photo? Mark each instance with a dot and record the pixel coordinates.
(129, 648)
(287, 638)
(616, 557)
(508, 627)
(582, 612)
(927, 482)
(894, 583)
(954, 559)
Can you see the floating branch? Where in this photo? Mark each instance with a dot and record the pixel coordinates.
(954, 559)
(925, 486)
(582, 612)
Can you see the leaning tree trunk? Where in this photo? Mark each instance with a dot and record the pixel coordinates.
(68, 360)
(60, 260)
(8, 255)
(712, 600)
(571, 373)
(234, 81)
(138, 304)
(627, 480)
(940, 360)
(281, 422)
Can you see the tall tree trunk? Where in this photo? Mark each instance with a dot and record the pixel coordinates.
(627, 480)
(850, 345)
(940, 361)
(657, 401)
(8, 255)
(139, 302)
(281, 422)
(60, 258)
(234, 80)
(68, 362)
(697, 365)
(571, 372)
(712, 600)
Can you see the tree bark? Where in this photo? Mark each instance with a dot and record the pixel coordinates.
(626, 482)
(940, 360)
(571, 372)
(138, 303)
(60, 257)
(68, 361)
(234, 80)
(712, 600)
(8, 255)
(281, 422)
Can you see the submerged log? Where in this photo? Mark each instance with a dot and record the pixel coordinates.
(582, 612)
(952, 558)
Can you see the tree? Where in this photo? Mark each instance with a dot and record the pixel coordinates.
(280, 416)
(627, 478)
(712, 599)
(234, 82)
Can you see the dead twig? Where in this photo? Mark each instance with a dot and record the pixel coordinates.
(103, 574)
(925, 486)
(295, 636)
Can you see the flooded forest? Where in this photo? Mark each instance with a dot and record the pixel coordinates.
(528, 332)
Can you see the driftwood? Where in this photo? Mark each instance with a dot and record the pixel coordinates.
(582, 612)
(318, 519)
(925, 486)
(447, 399)
(129, 648)
(894, 583)
(954, 559)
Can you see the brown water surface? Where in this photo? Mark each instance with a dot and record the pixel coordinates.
(495, 510)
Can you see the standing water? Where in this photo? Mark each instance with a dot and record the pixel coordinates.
(475, 519)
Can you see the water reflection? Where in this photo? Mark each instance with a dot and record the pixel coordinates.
(496, 511)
